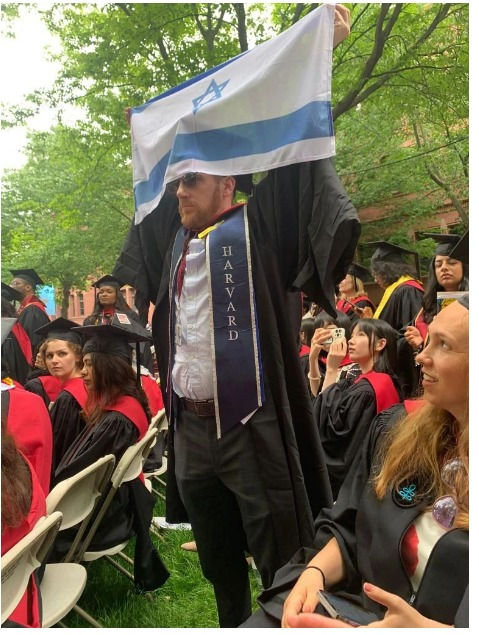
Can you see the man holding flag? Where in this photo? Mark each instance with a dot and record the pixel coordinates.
(244, 457)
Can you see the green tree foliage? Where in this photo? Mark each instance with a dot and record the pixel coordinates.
(400, 99)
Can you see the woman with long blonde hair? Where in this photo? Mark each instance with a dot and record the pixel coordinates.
(398, 535)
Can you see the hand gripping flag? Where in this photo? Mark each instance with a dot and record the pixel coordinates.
(265, 108)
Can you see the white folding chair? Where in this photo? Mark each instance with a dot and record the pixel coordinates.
(128, 468)
(76, 498)
(19, 562)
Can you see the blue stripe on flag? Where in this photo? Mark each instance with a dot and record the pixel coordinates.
(258, 137)
(147, 190)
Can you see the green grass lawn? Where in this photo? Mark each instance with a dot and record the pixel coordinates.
(186, 600)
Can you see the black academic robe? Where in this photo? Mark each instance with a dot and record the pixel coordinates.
(402, 307)
(131, 509)
(344, 413)
(41, 383)
(31, 317)
(369, 533)
(303, 232)
(14, 358)
(361, 302)
(67, 420)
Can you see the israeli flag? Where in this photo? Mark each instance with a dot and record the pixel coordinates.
(263, 109)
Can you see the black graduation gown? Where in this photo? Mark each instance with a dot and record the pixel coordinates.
(402, 307)
(303, 231)
(14, 359)
(369, 533)
(131, 509)
(343, 413)
(361, 303)
(67, 424)
(400, 311)
(37, 386)
(32, 318)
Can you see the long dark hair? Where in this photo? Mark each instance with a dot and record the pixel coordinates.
(16, 481)
(375, 330)
(429, 301)
(113, 377)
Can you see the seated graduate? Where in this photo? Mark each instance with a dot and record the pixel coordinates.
(63, 358)
(17, 347)
(324, 325)
(448, 271)
(398, 535)
(23, 504)
(109, 301)
(28, 421)
(344, 410)
(40, 382)
(352, 296)
(117, 416)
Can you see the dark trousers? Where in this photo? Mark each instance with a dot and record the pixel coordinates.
(221, 487)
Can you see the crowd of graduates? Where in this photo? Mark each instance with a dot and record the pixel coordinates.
(70, 395)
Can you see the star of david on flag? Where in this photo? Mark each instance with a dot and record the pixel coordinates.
(265, 108)
(213, 92)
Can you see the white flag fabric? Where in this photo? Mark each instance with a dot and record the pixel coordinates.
(265, 108)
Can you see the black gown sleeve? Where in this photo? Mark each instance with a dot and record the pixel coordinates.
(402, 307)
(36, 387)
(303, 212)
(67, 424)
(112, 435)
(344, 412)
(340, 520)
(32, 318)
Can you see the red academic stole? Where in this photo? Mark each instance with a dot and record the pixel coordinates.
(131, 408)
(412, 283)
(76, 388)
(23, 341)
(344, 306)
(153, 393)
(304, 350)
(384, 389)
(411, 405)
(51, 385)
(33, 301)
(27, 612)
(421, 326)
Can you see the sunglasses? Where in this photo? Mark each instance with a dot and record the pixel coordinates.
(189, 180)
(445, 508)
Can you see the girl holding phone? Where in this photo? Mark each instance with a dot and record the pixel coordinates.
(344, 410)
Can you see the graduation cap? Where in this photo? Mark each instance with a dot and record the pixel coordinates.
(7, 325)
(29, 275)
(115, 339)
(358, 271)
(60, 329)
(11, 294)
(461, 249)
(388, 252)
(445, 242)
(107, 280)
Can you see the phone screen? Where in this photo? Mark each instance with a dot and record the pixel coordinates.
(346, 611)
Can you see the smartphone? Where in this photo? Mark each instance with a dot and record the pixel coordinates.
(338, 334)
(344, 610)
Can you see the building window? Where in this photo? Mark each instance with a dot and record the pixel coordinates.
(81, 304)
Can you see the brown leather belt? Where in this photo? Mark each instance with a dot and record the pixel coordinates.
(204, 408)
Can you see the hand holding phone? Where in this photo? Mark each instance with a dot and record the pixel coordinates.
(346, 611)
